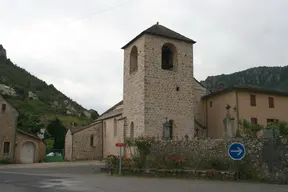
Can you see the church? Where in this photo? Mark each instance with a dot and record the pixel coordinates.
(161, 97)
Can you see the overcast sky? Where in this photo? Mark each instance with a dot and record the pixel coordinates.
(75, 45)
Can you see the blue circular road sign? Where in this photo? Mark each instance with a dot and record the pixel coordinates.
(236, 151)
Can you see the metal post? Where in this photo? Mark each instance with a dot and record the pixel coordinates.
(237, 173)
(120, 160)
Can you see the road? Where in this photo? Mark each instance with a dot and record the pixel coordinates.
(87, 178)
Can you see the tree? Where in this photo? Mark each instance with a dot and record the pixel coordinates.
(282, 126)
(30, 123)
(250, 129)
(94, 114)
(57, 131)
(20, 91)
(49, 144)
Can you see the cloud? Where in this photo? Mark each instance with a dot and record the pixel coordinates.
(76, 44)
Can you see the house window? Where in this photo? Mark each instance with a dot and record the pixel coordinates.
(92, 140)
(3, 109)
(6, 148)
(115, 127)
(132, 130)
(254, 120)
(133, 59)
(210, 103)
(168, 56)
(272, 121)
(253, 100)
(271, 102)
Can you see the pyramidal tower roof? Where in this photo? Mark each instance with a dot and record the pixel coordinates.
(160, 30)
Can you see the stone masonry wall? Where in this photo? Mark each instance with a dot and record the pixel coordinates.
(40, 147)
(68, 145)
(133, 96)
(8, 120)
(82, 150)
(161, 97)
(207, 153)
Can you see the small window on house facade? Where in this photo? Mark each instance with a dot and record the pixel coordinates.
(133, 59)
(132, 130)
(272, 121)
(168, 55)
(3, 108)
(210, 103)
(115, 127)
(92, 140)
(254, 120)
(271, 102)
(253, 100)
(6, 147)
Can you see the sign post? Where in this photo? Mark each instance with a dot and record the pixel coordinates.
(120, 145)
(237, 152)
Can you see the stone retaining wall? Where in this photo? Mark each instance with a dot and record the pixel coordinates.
(192, 174)
(213, 154)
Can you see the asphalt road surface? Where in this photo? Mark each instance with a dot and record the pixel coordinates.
(88, 178)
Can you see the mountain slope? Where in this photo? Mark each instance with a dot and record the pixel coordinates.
(267, 77)
(33, 96)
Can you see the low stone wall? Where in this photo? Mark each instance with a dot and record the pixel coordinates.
(202, 154)
(192, 174)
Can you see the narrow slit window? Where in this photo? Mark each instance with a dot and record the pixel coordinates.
(3, 108)
(6, 147)
(253, 100)
(271, 102)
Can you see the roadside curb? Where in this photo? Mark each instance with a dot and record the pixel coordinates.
(52, 164)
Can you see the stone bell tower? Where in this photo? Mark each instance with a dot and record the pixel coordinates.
(158, 83)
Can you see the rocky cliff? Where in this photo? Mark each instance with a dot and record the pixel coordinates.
(2, 52)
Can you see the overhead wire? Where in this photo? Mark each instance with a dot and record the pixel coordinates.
(106, 9)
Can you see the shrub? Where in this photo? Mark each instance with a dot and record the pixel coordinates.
(143, 145)
(128, 162)
(281, 126)
(5, 161)
(173, 161)
(250, 129)
(111, 161)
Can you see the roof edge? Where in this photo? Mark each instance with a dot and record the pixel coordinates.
(29, 134)
(11, 105)
(149, 33)
(85, 127)
(246, 88)
(199, 83)
(99, 120)
(188, 41)
(133, 40)
(113, 107)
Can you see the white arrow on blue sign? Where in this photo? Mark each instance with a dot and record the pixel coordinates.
(236, 151)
